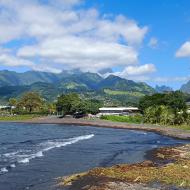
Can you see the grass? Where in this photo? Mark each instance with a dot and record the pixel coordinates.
(184, 127)
(18, 117)
(118, 92)
(128, 119)
(139, 119)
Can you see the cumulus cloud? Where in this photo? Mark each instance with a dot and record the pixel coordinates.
(184, 50)
(68, 37)
(45, 68)
(137, 73)
(9, 60)
(86, 54)
(139, 70)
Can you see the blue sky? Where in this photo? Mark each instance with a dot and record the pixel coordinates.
(168, 22)
(142, 40)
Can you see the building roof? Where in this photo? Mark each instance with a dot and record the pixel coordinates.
(4, 107)
(118, 108)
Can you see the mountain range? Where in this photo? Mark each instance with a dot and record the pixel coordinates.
(113, 90)
(186, 88)
(163, 88)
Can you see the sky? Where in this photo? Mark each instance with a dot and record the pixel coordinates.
(141, 40)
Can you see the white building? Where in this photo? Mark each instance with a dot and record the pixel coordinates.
(7, 107)
(118, 110)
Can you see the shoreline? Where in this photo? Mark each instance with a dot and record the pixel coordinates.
(169, 168)
(159, 162)
(166, 131)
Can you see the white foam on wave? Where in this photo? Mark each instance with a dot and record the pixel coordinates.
(24, 160)
(51, 144)
(61, 143)
(11, 154)
(3, 170)
(12, 165)
(24, 156)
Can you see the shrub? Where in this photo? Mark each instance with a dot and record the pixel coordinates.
(159, 114)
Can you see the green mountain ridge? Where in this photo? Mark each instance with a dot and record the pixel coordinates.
(112, 89)
(163, 88)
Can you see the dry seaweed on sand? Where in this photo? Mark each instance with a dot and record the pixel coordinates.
(176, 173)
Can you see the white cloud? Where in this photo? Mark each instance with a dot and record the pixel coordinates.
(136, 73)
(39, 20)
(83, 53)
(139, 70)
(9, 60)
(170, 79)
(66, 37)
(158, 80)
(65, 3)
(45, 68)
(153, 43)
(184, 50)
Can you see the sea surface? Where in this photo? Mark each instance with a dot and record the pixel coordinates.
(32, 156)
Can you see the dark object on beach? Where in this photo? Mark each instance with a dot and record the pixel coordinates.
(78, 115)
(65, 116)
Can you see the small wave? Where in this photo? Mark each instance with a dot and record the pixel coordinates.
(25, 160)
(61, 143)
(24, 156)
(6, 169)
(11, 154)
(46, 146)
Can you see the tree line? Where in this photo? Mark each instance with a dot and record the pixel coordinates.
(32, 102)
(161, 108)
(166, 108)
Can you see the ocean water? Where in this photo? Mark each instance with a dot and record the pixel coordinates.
(32, 156)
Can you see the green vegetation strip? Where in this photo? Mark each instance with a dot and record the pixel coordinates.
(128, 119)
(118, 92)
(137, 119)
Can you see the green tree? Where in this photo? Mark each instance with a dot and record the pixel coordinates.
(92, 106)
(31, 101)
(12, 103)
(68, 103)
(153, 100)
(175, 107)
(51, 108)
(176, 100)
(72, 103)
